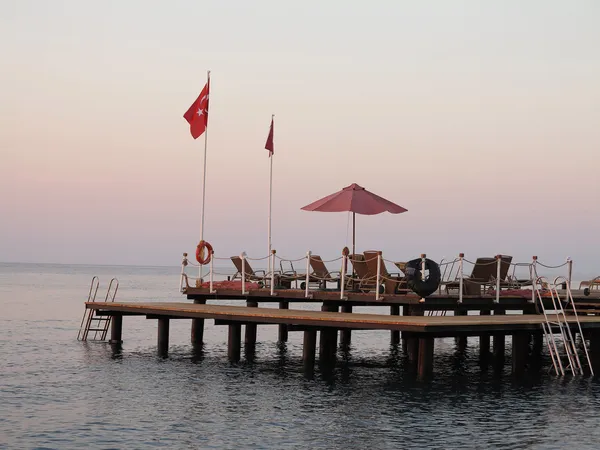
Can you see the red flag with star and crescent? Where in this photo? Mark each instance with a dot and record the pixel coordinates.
(197, 115)
(269, 145)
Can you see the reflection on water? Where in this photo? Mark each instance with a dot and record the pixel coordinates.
(59, 393)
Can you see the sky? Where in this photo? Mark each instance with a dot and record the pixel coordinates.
(479, 117)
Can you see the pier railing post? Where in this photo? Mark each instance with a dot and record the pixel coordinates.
(569, 272)
(243, 258)
(343, 276)
(461, 257)
(423, 266)
(378, 278)
(498, 267)
(211, 274)
(184, 263)
(308, 255)
(533, 275)
(272, 272)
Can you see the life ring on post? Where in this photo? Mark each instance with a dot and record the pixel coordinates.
(204, 252)
(427, 286)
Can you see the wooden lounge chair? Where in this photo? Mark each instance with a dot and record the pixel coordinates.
(392, 282)
(594, 283)
(361, 277)
(251, 275)
(320, 274)
(483, 274)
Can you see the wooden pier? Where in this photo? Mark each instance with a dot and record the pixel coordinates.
(419, 331)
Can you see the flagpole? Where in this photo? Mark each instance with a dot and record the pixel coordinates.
(270, 201)
(204, 175)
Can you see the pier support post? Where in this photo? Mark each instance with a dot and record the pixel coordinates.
(308, 352)
(328, 339)
(346, 333)
(499, 345)
(395, 334)
(405, 312)
(484, 341)
(594, 337)
(198, 327)
(250, 338)
(425, 364)
(461, 341)
(520, 351)
(412, 340)
(283, 328)
(234, 342)
(163, 336)
(116, 330)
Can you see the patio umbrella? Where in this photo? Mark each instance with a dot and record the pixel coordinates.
(357, 199)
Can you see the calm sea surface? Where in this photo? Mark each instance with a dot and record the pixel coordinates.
(56, 392)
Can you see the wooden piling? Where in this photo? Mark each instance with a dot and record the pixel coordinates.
(412, 341)
(328, 339)
(234, 342)
(484, 341)
(594, 349)
(346, 333)
(308, 352)
(461, 341)
(283, 328)
(395, 334)
(198, 326)
(163, 336)
(520, 352)
(116, 330)
(250, 337)
(499, 344)
(405, 312)
(425, 363)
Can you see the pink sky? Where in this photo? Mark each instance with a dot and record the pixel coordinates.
(481, 120)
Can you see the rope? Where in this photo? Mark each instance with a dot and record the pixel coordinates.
(327, 260)
(290, 260)
(257, 259)
(553, 267)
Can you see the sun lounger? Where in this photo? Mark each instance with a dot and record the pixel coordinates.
(320, 274)
(484, 274)
(251, 275)
(393, 282)
(594, 283)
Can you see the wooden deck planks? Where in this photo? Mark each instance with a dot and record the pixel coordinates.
(435, 325)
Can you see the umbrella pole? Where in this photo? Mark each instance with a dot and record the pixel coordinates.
(353, 247)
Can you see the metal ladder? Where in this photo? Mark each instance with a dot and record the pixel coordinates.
(90, 321)
(557, 318)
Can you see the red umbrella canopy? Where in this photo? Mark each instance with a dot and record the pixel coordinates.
(357, 199)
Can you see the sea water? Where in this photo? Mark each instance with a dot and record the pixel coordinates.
(56, 392)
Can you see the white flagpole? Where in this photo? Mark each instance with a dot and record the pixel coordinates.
(270, 197)
(204, 176)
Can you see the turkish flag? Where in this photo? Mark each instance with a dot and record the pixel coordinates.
(197, 115)
(269, 145)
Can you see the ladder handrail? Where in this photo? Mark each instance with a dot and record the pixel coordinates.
(546, 326)
(89, 314)
(570, 300)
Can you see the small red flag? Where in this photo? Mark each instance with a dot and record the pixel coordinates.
(269, 145)
(197, 115)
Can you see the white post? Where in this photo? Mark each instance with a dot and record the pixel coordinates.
(272, 272)
(204, 175)
(498, 267)
(460, 277)
(270, 198)
(423, 265)
(378, 278)
(308, 254)
(184, 263)
(211, 273)
(343, 276)
(570, 272)
(533, 272)
(243, 257)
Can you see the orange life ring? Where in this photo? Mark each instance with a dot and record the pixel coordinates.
(200, 256)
